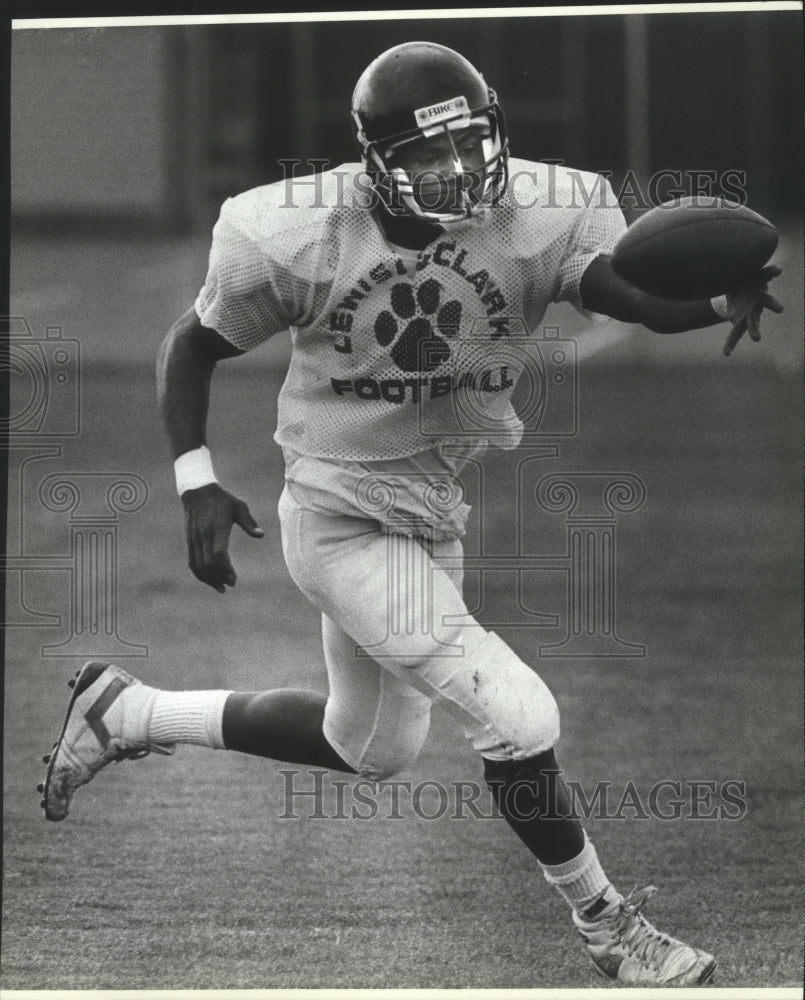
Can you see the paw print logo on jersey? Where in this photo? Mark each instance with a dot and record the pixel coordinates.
(424, 321)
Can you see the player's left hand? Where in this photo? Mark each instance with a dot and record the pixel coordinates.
(746, 303)
(210, 512)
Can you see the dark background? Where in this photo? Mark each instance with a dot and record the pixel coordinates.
(203, 112)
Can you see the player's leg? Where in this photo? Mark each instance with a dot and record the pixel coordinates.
(371, 722)
(400, 600)
(424, 634)
(112, 716)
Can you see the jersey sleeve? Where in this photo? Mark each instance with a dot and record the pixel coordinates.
(249, 293)
(598, 229)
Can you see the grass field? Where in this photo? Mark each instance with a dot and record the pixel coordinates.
(180, 873)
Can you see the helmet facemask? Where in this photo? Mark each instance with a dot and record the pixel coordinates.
(468, 191)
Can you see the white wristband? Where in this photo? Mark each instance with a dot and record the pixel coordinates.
(719, 306)
(194, 470)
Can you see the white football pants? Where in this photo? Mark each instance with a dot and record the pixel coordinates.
(397, 635)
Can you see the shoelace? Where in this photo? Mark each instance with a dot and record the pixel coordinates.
(129, 753)
(652, 947)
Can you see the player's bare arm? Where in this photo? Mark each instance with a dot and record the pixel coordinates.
(185, 365)
(603, 291)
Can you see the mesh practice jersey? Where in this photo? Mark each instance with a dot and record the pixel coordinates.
(396, 351)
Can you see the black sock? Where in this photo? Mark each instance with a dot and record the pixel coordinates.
(284, 725)
(534, 799)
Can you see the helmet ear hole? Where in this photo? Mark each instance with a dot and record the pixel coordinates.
(421, 90)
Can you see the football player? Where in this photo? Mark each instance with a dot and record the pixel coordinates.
(399, 277)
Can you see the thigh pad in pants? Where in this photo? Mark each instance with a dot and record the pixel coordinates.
(397, 601)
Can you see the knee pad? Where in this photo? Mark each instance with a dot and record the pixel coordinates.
(507, 710)
(524, 710)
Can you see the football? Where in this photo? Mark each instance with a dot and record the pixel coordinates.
(694, 248)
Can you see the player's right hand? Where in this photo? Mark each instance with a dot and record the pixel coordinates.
(209, 513)
(746, 304)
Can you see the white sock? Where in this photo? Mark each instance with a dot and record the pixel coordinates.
(581, 881)
(188, 717)
(142, 714)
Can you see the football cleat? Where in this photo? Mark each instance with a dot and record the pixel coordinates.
(86, 744)
(625, 947)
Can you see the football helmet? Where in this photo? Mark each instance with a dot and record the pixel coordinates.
(418, 91)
